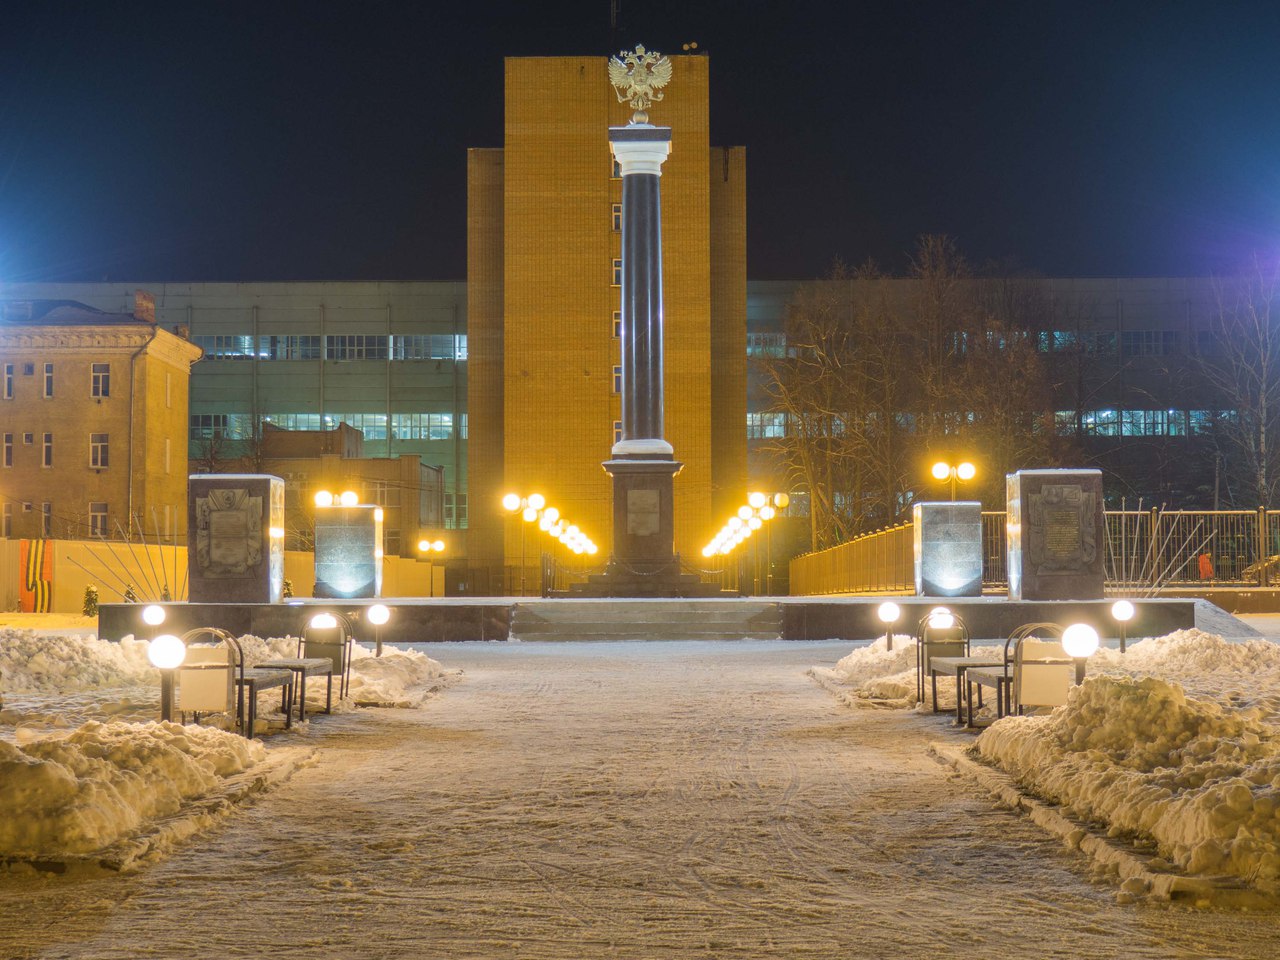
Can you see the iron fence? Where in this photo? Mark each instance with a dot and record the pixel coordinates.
(1145, 551)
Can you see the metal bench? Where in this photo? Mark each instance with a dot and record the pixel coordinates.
(1035, 671)
(214, 679)
(302, 668)
(257, 679)
(940, 633)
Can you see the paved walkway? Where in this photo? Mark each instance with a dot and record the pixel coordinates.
(618, 800)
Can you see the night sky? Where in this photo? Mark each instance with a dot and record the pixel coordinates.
(327, 141)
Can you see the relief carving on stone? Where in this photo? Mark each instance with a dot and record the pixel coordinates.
(228, 533)
(1061, 536)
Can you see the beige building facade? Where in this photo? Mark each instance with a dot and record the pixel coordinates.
(93, 419)
(543, 275)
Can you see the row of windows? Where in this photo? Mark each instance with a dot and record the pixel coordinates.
(99, 449)
(99, 379)
(404, 426)
(354, 346)
(1132, 343)
(1096, 423)
(98, 514)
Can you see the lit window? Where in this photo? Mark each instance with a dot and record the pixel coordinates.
(97, 519)
(48, 379)
(357, 346)
(766, 344)
(762, 426)
(617, 379)
(47, 456)
(617, 272)
(101, 386)
(617, 324)
(616, 216)
(98, 458)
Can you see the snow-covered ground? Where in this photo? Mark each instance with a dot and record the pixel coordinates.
(1176, 741)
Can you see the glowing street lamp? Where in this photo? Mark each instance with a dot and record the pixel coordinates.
(1123, 611)
(888, 612)
(529, 508)
(1080, 641)
(378, 614)
(428, 547)
(166, 653)
(963, 471)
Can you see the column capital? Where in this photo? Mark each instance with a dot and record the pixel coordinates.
(640, 148)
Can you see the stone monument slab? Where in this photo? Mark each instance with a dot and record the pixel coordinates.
(348, 551)
(948, 548)
(235, 538)
(1056, 534)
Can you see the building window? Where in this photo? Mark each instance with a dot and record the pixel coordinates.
(617, 379)
(766, 344)
(421, 426)
(224, 426)
(462, 426)
(46, 519)
(617, 432)
(386, 493)
(97, 519)
(8, 381)
(8, 450)
(1149, 343)
(168, 392)
(48, 379)
(617, 170)
(289, 347)
(357, 346)
(98, 456)
(762, 426)
(455, 511)
(6, 528)
(28, 438)
(166, 455)
(47, 457)
(101, 386)
(372, 425)
(616, 216)
(428, 346)
(294, 421)
(617, 272)
(226, 346)
(617, 324)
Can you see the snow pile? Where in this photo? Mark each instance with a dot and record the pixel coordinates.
(78, 794)
(887, 677)
(31, 663)
(400, 677)
(1245, 674)
(1199, 779)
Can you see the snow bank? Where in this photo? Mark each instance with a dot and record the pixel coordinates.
(400, 677)
(78, 794)
(888, 677)
(1142, 758)
(32, 663)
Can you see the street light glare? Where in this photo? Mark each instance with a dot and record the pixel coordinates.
(537, 501)
(757, 500)
(1123, 610)
(966, 471)
(324, 498)
(378, 614)
(941, 470)
(511, 502)
(166, 652)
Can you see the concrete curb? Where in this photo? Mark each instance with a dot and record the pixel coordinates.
(1139, 878)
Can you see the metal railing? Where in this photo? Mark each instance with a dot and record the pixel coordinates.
(1146, 551)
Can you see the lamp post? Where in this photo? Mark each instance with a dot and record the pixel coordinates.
(378, 614)
(528, 507)
(961, 471)
(166, 652)
(1080, 641)
(429, 547)
(1122, 611)
(888, 612)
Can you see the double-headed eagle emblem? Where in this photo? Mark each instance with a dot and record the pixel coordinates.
(639, 78)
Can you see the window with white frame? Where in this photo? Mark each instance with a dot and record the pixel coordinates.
(421, 426)
(615, 216)
(48, 379)
(8, 450)
(762, 426)
(425, 346)
(46, 458)
(617, 432)
(617, 324)
(617, 271)
(289, 347)
(356, 346)
(101, 380)
(97, 519)
(617, 379)
(8, 381)
(226, 346)
(98, 450)
(455, 511)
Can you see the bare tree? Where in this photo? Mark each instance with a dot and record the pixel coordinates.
(1242, 363)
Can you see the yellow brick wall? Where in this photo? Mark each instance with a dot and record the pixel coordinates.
(485, 360)
(728, 333)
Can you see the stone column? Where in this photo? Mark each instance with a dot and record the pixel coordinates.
(642, 463)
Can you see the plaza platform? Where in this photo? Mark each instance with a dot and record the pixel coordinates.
(421, 620)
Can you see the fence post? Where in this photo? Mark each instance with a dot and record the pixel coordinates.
(1261, 547)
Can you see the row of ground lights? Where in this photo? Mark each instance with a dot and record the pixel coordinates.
(759, 509)
(534, 508)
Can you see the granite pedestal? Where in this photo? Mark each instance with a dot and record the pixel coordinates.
(1056, 535)
(235, 532)
(948, 549)
(348, 551)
